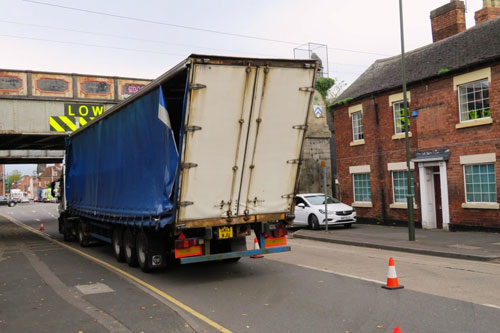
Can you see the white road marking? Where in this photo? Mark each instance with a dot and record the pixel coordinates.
(38, 220)
(33, 211)
(492, 306)
(342, 274)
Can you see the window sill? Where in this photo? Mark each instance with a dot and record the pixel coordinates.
(400, 205)
(362, 204)
(481, 205)
(357, 142)
(400, 136)
(475, 122)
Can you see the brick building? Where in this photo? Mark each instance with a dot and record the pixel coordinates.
(454, 128)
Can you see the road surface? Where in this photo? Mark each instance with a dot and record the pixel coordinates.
(317, 287)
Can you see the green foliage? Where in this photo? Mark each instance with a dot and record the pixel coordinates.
(323, 84)
(344, 101)
(14, 177)
(443, 71)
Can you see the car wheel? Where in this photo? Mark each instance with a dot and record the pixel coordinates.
(117, 242)
(313, 222)
(129, 244)
(12, 204)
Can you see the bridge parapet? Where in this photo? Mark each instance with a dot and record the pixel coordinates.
(38, 109)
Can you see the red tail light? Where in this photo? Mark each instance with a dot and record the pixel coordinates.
(184, 243)
(280, 232)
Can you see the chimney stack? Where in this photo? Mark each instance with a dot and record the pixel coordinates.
(490, 10)
(448, 20)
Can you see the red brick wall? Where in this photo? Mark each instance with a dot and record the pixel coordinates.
(486, 14)
(433, 128)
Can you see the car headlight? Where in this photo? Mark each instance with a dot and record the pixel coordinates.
(322, 211)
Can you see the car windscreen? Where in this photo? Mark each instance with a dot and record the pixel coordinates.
(320, 200)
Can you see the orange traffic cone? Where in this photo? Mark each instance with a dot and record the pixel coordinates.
(41, 226)
(256, 247)
(397, 330)
(392, 278)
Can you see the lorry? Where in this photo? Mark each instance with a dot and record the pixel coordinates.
(185, 170)
(16, 194)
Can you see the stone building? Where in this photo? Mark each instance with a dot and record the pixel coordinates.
(316, 150)
(454, 128)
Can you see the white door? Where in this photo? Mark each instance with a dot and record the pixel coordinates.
(215, 139)
(275, 139)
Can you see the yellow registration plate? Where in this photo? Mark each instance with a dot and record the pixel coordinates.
(225, 232)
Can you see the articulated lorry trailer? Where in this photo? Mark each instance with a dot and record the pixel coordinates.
(185, 169)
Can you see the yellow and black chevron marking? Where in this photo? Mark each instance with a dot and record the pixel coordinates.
(84, 120)
(67, 123)
(62, 124)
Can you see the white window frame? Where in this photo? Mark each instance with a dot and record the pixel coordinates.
(478, 159)
(394, 116)
(360, 169)
(398, 167)
(463, 79)
(352, 110)
(460, 106)
(361, 132)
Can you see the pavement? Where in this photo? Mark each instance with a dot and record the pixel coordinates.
(470, 245)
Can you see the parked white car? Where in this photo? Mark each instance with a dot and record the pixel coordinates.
(310, 211)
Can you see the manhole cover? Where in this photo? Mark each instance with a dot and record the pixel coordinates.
(96, 288)
(464, 247)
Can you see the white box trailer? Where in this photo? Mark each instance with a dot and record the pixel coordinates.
(190, 165)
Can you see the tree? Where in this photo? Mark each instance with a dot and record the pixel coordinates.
(14, 176)
(322, 86)
(329, 88)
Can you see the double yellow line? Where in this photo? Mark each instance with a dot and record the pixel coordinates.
(127, 275)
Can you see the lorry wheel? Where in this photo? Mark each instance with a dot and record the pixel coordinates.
(82, 239)
(117, 242)
(129, 245)
(143, 250)
(67, 232)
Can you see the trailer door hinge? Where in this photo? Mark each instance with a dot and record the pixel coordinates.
(300, 127)
(296, 161)
(186, 203)
(188, 165)
(287, 196)
(308, 89)
(193, 128)
(196, 86)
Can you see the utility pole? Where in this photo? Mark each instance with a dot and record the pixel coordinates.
(3, 180)
(411, 225)
(323, 165)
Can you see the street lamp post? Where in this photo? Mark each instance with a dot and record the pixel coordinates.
(411, 225)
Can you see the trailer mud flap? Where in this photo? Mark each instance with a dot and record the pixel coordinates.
(229, 255)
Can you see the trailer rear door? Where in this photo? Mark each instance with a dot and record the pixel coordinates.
(244, 134)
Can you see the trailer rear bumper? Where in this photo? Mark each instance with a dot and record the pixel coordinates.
(229, 255)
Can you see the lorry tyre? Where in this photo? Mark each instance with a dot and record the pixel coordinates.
(117, 242)
(82, 238)
(129, 245)
(143, 249)
(67, 231)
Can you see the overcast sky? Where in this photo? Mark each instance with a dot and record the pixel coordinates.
(156, 35)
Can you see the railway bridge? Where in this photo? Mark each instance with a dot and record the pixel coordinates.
(39, 109)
